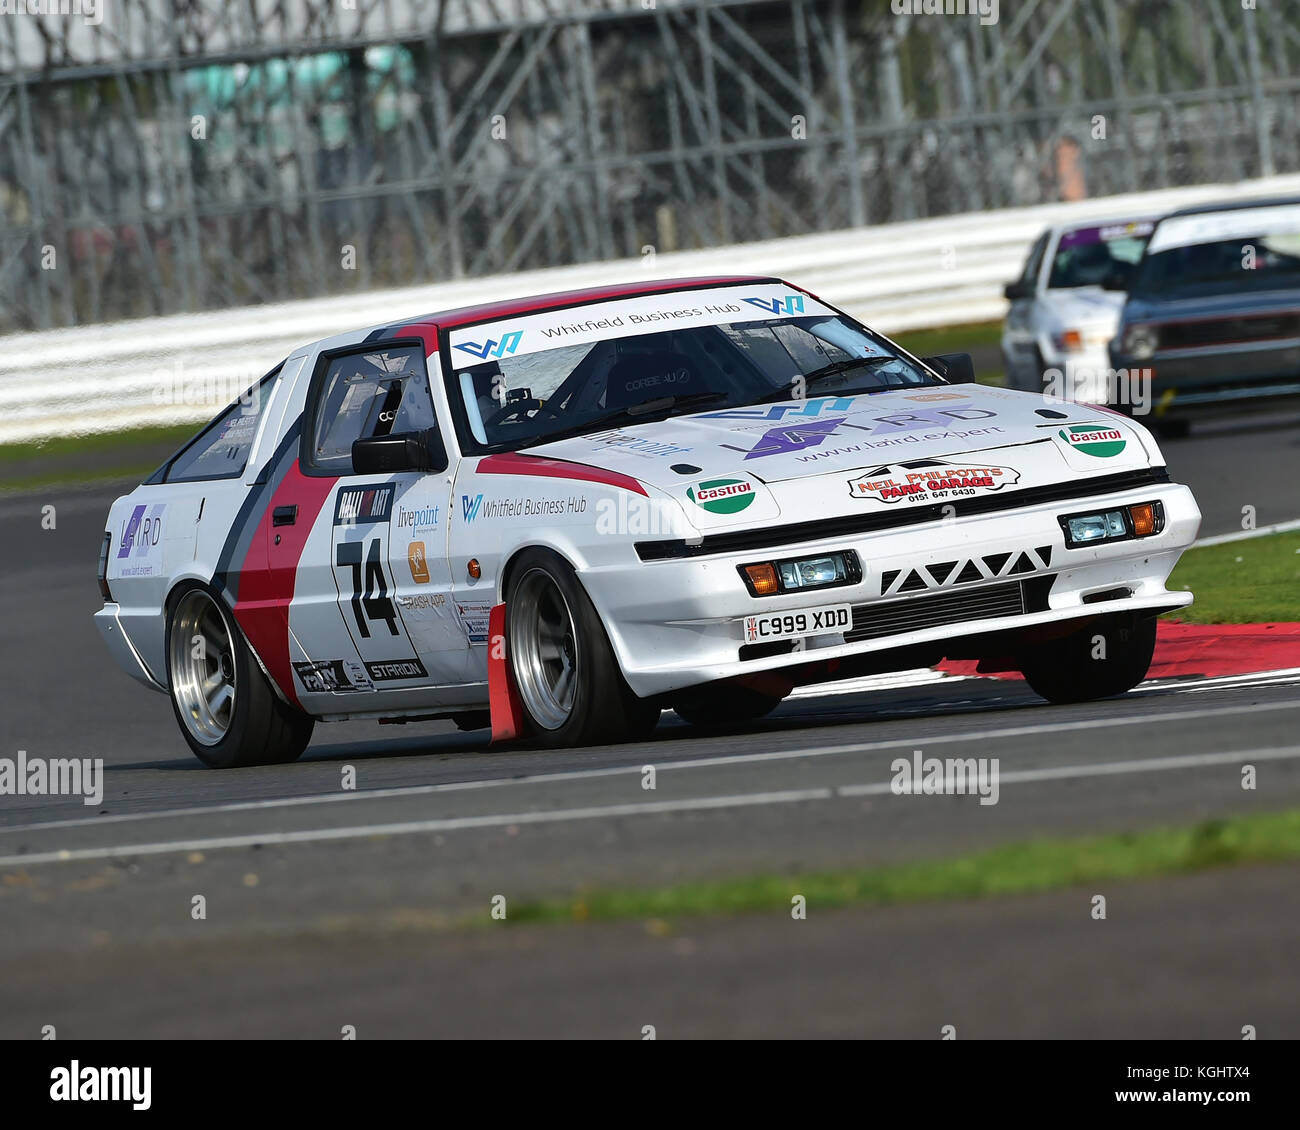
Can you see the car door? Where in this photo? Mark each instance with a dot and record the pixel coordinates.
(372, 585)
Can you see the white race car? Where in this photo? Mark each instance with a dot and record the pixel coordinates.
(560, 515)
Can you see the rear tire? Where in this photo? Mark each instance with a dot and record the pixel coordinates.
(722, 707)
(563, 666)
(225, 706)
(1065, 670)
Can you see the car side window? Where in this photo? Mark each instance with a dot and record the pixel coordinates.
(370, 392)
(1029, 279)
(221, 450)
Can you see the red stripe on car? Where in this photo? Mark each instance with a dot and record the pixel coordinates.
(538, 466)
(270, 572)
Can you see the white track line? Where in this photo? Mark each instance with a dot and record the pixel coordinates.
(1243, 535)
(1074, 772)
(660, 766)
(609, 811)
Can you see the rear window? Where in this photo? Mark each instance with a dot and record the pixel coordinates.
(221, 450)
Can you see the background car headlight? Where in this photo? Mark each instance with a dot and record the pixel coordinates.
(1069, 341)
(1141, 341)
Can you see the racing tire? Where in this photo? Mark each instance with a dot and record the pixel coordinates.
(1064, 670)
(564, 669)
(716, 708)
(224, 704)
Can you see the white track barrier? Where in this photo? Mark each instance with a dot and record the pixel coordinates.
(921, 274)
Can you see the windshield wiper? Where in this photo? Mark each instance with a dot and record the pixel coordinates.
(786, 392)
(633, 413)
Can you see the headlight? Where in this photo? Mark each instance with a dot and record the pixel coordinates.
(1141, 342)
(826, 570)
(812, 572)
(1140, 520)
(1069, 341)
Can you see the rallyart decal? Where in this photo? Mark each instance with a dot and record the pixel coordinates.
(362, 506)
(930, 480)
(1094, 439)
(722, 496)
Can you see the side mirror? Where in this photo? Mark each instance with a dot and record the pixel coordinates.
(1015, 290)
(409, 451)
(957, 368)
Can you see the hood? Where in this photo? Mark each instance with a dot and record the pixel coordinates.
(754, 461)
(1187, 304)
(1083, 306)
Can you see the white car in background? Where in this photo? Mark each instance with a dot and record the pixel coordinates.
(1066, 304)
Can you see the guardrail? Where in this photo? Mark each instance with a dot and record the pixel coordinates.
(895, 277)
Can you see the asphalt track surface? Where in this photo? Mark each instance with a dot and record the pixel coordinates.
(323, 905)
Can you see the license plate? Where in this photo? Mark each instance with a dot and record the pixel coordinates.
(794, 625)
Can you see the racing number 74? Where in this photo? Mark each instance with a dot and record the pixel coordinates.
(374, 602)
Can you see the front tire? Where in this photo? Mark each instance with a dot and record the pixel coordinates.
(224, 704)
(563, 666)
(1093, 662)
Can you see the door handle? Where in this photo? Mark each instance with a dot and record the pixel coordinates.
(284, 515)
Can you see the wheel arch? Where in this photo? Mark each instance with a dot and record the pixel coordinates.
(179, 588)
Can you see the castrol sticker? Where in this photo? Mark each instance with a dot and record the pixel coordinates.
(722, 496)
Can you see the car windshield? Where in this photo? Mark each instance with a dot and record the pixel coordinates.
(1088, 256)
(574, 389)
(1252, 260)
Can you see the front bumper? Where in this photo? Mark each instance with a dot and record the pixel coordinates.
(1184, 381)
(678, 623)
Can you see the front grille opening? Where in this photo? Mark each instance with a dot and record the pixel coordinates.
(935, 610)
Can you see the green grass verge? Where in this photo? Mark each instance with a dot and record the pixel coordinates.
(1022, 868)
(1243, 582)
(131, 473)
(105, 442)
(983, 339)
